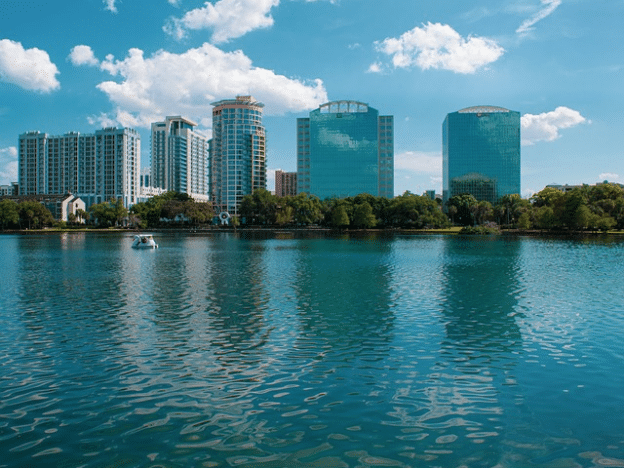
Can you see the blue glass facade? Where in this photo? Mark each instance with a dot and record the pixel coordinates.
(343, 149)
(481, 153)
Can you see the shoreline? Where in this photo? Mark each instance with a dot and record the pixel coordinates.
(454, 231)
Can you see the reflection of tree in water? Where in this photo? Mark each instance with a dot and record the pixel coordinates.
(480, 297)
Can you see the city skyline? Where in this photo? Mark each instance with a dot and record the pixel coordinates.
(133, 63)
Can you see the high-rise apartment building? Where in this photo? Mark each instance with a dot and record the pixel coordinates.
(343, 149)
(180, 158)
(481, 153)
(285, 183)
(237, 152)
(95, 167)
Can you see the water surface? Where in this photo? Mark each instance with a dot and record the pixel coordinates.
(278, 351)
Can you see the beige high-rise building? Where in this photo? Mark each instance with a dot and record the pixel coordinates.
(237, 152)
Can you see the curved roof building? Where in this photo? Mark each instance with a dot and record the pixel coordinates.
(481, 153)
(343, 149)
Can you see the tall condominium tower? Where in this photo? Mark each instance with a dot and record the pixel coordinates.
(96, 167)
(481, 153)
(180, 158)
(343, 149)
(237, 152)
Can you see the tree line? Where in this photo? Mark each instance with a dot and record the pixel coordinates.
(363, 211)
(598, 207)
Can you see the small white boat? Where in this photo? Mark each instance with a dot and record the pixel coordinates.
(144, 241)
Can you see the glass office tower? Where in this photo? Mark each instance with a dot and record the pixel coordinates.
(343, 149)
(481, 153)
(237, 152)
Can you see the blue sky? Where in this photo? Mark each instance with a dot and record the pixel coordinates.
(79, 65)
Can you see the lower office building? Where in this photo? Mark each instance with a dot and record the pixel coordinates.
(96, 167)
(481, 153)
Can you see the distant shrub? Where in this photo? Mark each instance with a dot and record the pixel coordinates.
(487, 229)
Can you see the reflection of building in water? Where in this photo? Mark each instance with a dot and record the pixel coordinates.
(480, 295)
(343, 295)
(237, 294)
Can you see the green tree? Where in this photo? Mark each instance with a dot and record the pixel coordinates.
(510, 207)
(108, 213)
(545, 217)
(339, 216)
(259, 208)
(34, 214)
(464, 204)
(524, 221)
(306, 208)
(363, 217)
(9, 213)
(284, 214)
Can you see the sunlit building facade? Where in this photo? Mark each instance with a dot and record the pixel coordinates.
(343, 149)
(180, 158)
(237, 152)
(481, 153)
(96, 167)
(285, 183)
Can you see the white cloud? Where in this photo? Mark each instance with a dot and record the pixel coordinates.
(374, 68)
(610, 176)
(187, 84)
(228, 19)
(29, 69)
(8, 165)
(419, 162)
(440, 46)
(548, 6)
(110, 5)
(83, 55)
(546, 126)
(174, 2)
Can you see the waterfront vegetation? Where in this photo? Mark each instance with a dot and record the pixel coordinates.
(586, 208)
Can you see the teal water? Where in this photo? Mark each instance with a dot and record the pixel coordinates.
(221, 351)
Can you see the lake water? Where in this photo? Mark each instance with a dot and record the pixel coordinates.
(277, 351)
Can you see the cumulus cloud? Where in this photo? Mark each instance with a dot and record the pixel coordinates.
(83, 55)
(29, 69)
(419, 162)
(548, 6)
(228, 19)
(375, 68)
(187, 84)
(546, 126)
(440, 46)
(110, 5)
(8, 165)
